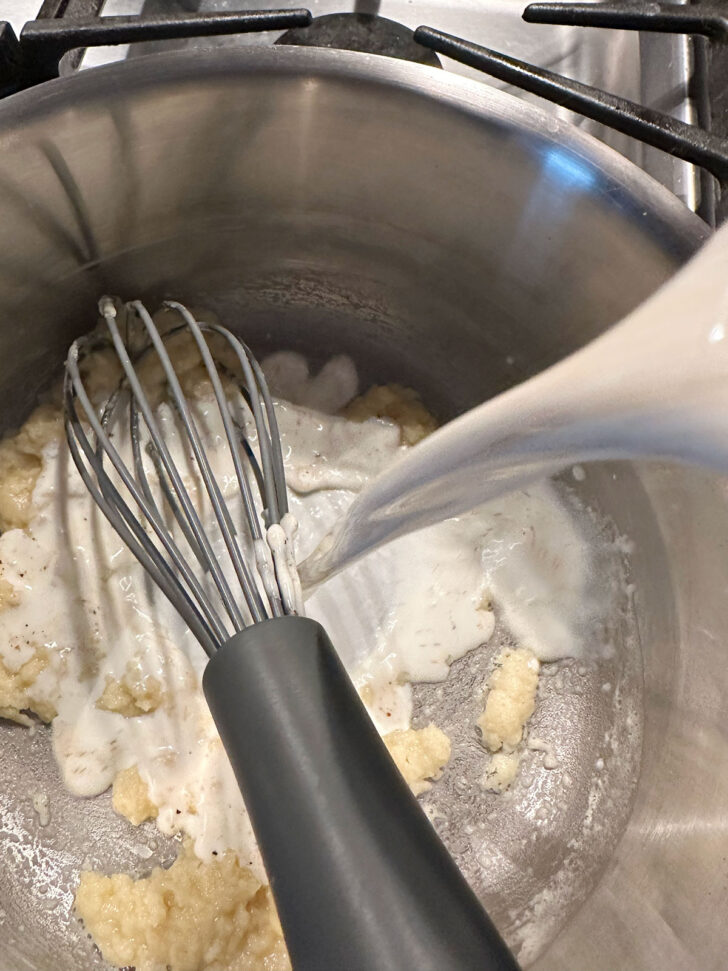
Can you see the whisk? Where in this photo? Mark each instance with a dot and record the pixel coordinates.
(360, 878)
(276, 591)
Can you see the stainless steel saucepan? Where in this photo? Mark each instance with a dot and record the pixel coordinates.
(457, 240)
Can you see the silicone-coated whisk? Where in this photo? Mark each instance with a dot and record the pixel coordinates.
(360, 878)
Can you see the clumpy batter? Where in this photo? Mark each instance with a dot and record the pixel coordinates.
(511, 700)
(216, 916)
(88, 644)
(195, 916)
(420, 755)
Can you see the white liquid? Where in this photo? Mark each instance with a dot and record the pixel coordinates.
(656, 386)
(404, 614)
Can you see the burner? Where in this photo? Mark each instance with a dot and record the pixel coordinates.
(363, 32)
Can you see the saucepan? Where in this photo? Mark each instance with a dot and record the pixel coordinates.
(453, 239)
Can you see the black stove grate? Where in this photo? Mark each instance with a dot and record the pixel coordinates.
(35, 56)
(709, 18)
(688, 142)
(65, 27)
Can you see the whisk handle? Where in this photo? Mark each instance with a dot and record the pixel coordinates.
(359, 875)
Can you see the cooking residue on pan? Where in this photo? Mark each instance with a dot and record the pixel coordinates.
(87, 643)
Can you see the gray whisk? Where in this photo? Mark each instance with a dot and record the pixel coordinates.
(270, 585)
(360, 878)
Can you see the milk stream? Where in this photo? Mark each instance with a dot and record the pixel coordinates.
(654, 386)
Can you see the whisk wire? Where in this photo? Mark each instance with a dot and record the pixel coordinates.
(143, 480)
(272, 469)
(244, 576)
(241, 475)
(211, 561)
(113, 498)
(121, 517)
(158, 524)
(278, 476)
(217, 500)
(268, 582)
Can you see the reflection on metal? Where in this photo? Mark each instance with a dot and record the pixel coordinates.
(568, 169)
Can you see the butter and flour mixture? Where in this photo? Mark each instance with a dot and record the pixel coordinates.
(88, 644)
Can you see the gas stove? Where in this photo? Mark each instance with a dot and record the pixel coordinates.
(649, 89)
